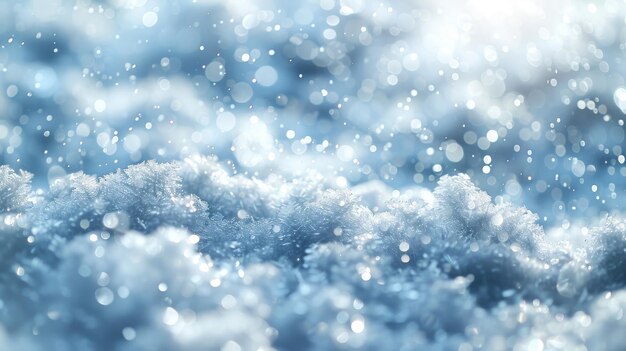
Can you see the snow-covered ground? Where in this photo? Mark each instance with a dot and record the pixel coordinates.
(185, 256)
(315, 174)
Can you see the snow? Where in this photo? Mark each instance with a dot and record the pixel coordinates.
(312, 175)
(159, 256)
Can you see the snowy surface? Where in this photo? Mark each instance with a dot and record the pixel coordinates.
(312, 175)
(185, 256)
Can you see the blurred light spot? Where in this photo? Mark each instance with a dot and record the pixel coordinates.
(266, 76)
(620, 99)
(104, 296)
(149, 19)
(100, 105)
(129, 333)
(454, 152)
(170, 316)
(12, 90)
(226, 121)
(215, 71)
(345, 153)
(241, 92)
(357, 325)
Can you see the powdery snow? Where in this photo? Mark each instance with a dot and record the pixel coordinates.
(187, 256)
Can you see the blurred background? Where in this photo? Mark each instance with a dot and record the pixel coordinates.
(526, 97)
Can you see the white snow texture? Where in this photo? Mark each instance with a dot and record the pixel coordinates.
(187, 256)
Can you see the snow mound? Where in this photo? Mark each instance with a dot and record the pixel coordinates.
(189, 256)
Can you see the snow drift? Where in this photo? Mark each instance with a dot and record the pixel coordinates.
(188, 256)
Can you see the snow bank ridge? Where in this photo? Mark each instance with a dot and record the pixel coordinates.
(188, 256)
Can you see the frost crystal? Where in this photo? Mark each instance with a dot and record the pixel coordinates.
(310, 266)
